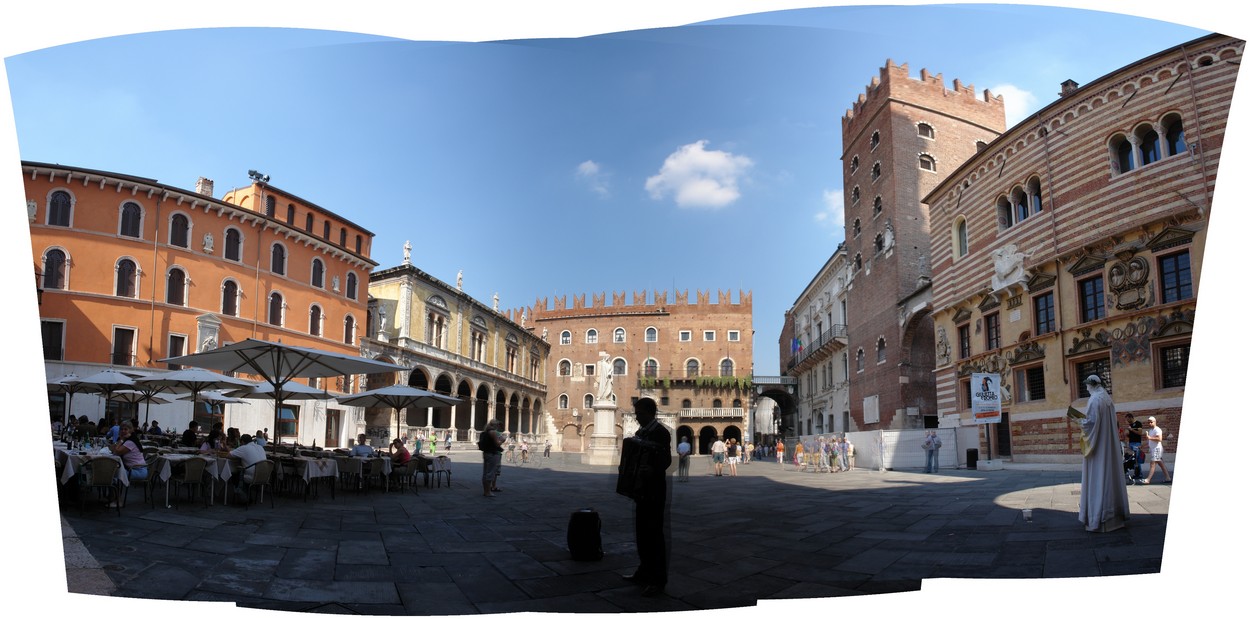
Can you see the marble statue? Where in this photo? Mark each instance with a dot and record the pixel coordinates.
(604, 383)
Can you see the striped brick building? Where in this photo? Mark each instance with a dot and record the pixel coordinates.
(1072, 245)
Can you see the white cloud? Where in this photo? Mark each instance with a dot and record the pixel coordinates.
(831, 216)
(589, 173)
(695, 177)
(1017, 103)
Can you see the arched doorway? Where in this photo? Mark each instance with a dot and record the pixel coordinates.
(733, 432)
(688, 433)
(707, 436)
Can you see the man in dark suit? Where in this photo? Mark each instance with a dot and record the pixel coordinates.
(653, 446)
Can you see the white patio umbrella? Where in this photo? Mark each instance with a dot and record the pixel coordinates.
(192, 380)
(398, 397)
(139, 395)
(68, 385)
(212, 398)
(105, 382)
(278, 363)
(285, 392)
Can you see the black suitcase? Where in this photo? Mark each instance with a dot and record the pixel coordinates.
(585, 543)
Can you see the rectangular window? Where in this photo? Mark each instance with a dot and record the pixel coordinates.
(177, 348)
(589, 369)
(734, 336)
(965, 342)
(1174, 277)
(53, 332)
(965, 389)
(1092, 306)
(1174, 362)
(1044, 313)
(1030, 384)
(1100, 366)
(992, 331)
(684, 336)
(709, 336)
(123, 346)
(288, 421)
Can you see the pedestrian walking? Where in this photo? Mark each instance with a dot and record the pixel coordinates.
(490, 445)
(1155, 451)
(1133, 438)
(547, 448)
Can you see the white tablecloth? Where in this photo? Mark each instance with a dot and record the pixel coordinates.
(74, 461)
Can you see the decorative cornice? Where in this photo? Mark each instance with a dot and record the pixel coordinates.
(1089, 341)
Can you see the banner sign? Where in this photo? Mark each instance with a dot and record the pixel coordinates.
(987, 406)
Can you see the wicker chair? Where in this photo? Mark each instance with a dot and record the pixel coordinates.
(100, 474)
(191, 475)
(262, 478)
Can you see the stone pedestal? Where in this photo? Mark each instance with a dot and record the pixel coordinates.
(603, 447)
(990, 465)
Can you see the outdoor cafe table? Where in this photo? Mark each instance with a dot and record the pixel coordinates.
(308, 469)
(218, 467)
(73, 461)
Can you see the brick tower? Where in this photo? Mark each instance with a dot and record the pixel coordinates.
(901, 137)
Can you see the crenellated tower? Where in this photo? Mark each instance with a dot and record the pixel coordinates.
(899, 139)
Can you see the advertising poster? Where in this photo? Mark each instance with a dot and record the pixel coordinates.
(986, 404)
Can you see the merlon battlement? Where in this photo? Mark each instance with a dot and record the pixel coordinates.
(895, 81)
(638, 303)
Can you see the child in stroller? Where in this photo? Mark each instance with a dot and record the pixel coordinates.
(1130, 463)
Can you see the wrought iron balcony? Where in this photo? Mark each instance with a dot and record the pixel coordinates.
(825, 345)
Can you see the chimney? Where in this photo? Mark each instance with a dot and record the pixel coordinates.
(1067, 88)
(204, 187)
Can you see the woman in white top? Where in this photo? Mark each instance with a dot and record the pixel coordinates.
(1155, 435)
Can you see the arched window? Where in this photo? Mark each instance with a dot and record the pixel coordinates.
(726, 367)
(859, 262)
(351, 285)
(925, 130)
(314, 320)
(855, 195)
(1005, 219)
(275, 309)
(359, 243)
(234, 245)
(176, 287)
(131, 220)
(878, 243)
(127, 279)
(318, 273)
(859, 360)
(1148, 144)
(961, 238)
(592, 336)
(855, 227)
(854, 163)
(651, 334)
(876, 206)
(566, 368)
(230, 298)
(566, 338)
(1121, 154)
(290, 214)
(60, 209)
(618, 367)
(588, 401)
(651, 368)
(686, 403)
(1035, 194)
(692, 368)
(1020, 205)
(564, 401)
(876, 170)
(880, 350)
(325, 230)
(277, 259)
(875, 139)
(717, 403)
(179, 230)
(1174, 134)
(342, 237)
(308, 222)
(928, 163)
(618, 335)
(349, 330)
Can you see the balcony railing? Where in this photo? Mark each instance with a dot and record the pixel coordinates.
(827, 341)
(665, 380)
(708, 413)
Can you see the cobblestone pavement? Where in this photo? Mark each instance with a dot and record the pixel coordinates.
(767, 534)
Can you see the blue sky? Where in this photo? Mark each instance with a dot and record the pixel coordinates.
(700, 157)
(618, 150)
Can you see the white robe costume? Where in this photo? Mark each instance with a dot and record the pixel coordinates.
(1104, 495)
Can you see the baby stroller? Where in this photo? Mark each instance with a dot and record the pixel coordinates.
(1130, 464)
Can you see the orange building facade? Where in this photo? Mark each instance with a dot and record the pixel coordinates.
(130, 271)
